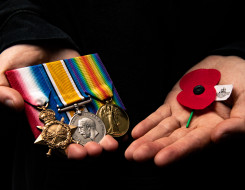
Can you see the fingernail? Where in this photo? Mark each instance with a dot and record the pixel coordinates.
(9, 103)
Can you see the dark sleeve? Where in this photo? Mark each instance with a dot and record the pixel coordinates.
(23, 22)
(230, 38)
(232, 49)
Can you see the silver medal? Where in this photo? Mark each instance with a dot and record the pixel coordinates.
(89, 128)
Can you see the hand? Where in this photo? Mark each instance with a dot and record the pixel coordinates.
(25, 55)
(163, 135)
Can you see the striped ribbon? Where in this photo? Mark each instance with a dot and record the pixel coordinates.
(89, 72)
(63, 83)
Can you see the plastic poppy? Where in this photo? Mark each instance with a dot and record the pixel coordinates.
(198, 90)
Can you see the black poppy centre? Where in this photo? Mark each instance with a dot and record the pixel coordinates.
(199, 89)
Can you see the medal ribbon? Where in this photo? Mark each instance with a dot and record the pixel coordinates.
(31, 85)
(92, 77)
(63, 83)
(47, 83)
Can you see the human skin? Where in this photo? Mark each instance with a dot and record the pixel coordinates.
(23, 55)
(162, 136)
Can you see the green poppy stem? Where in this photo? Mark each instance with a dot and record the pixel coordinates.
(189, 120)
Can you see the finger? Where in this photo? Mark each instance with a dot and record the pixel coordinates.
(79, 152)
(221, 109)
(3, 79)
(164, 128)
(76, 152)
(151, 121)
(148, 150)
(109, 143)
(199, 131)
(227, 128)
(133, 146)
(93, 148)
(11, 98)
(236, 122)
(196, 139)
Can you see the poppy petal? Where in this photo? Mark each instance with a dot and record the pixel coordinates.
(200, 77)
(197, 102)
(198, 90)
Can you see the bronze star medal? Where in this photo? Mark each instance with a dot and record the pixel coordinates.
(55, 134)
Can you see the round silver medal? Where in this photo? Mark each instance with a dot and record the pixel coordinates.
(89, 128)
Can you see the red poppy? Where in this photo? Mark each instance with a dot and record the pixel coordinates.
(198, 90)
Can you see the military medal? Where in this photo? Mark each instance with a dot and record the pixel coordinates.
(115, 118)
(89, 126)
(66, 84)
(96, 82)
(55, 134)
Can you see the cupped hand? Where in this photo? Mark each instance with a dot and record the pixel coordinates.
(23, 55)
(163, 135)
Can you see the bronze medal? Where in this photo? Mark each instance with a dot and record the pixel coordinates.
(55, 134)
(115, 119)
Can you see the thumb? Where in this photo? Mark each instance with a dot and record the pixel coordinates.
(233, 125)
(11, 98)
(227, 128)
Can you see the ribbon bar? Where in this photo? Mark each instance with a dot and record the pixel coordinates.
(74, 106)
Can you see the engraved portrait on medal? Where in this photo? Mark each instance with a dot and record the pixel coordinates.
(89, 128)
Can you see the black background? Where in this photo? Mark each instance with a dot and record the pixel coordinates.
(146, 47)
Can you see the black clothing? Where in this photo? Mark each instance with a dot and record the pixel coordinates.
(146, 47)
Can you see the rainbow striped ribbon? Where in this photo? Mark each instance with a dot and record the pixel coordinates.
(63, 83)
(89, 72)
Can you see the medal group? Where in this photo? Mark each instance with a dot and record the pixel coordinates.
(70, 101)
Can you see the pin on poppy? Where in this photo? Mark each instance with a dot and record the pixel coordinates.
(198, 90)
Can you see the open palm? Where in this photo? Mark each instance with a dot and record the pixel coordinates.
(164, 136)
